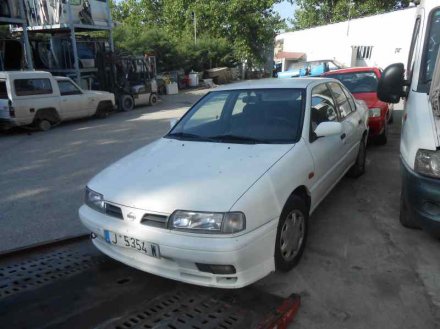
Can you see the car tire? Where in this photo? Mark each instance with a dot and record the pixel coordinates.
(153, 100)
(291, 234)
(102, 111)
(391, 119)
(44, 125)
(358, 169)
(127, 103)
(382, 139)
(404, 216)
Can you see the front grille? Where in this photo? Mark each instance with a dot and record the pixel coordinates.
(113, 211)
(154, 220)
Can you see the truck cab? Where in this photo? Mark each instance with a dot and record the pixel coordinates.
(420, 136)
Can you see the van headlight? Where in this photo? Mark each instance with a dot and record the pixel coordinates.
(428, 163)
(374, 113)
(207, 222)
(94, 200)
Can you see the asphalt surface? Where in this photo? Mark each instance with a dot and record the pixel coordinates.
(43, 174)
(361, 268)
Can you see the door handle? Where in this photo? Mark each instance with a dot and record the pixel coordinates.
(343, 136)
(360, 122)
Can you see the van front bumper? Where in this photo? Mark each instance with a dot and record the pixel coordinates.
(251, 254)
(422, 197)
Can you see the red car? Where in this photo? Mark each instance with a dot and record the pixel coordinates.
(362, 83)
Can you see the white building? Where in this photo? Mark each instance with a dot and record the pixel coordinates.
(377, 40)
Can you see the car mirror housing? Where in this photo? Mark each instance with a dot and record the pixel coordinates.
(391, 85)
(325, 129)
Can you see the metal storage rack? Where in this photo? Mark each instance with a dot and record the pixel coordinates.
(21, 21)
(72, 28)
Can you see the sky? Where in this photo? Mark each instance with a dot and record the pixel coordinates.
(285, 9)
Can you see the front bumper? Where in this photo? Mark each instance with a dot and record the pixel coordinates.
(422, 197)
(252, 254)
(377, 126)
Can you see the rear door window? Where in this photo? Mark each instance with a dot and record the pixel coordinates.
(28, 87)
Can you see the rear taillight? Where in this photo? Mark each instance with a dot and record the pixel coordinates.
(11, 109)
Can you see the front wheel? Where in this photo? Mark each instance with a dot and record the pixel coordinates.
(382, 139)
(153, 99)
(291, 234)
(127, 103)
(358, 169)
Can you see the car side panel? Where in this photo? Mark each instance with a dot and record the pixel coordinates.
(266, 198)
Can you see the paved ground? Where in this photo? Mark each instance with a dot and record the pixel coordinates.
(361, 268)
(43, 174)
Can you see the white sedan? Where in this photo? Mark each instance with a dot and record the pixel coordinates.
(224, 198)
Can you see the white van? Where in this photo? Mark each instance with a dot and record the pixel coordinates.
(420, 139)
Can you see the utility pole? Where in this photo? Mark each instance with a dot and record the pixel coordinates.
(195, 26)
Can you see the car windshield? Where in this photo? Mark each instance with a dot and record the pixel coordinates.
(432, 45)
(358, 82)
(251, 116)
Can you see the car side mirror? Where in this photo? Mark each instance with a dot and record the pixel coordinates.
(173, 123)
(328, 128)
(391, 85)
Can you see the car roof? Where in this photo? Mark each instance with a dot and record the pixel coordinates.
(351, 70)
(273, 83)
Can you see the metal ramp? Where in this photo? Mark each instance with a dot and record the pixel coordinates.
(74, 286)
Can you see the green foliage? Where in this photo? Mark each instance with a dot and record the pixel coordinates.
(312, 13)
(228, 31)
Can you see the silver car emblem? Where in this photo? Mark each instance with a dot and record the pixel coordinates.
(131, 216)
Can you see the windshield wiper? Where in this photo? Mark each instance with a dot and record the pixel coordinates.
(238, 139)
(188, 136)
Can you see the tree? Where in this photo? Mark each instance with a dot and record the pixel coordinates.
(311, 13)
(243, 28)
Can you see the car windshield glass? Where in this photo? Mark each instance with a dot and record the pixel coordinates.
(432, 45)
(250, 116)
(358, 82)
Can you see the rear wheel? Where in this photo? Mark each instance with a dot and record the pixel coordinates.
(382, 139)
(291, 234)
(127, 103)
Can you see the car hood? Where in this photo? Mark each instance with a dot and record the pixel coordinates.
(370, 99)
(171, 174)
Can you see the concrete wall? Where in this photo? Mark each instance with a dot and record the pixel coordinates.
(388, 34)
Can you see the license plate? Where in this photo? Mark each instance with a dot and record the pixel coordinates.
(147, 248)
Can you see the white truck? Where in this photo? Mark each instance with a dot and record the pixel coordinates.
(32, 98)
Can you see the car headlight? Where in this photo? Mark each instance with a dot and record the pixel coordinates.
(94, 200)
(208, 222)
(428, 163)
(374, 112)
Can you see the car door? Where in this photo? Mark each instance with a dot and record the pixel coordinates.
(350, 120)
(73, 102)
(327, 152)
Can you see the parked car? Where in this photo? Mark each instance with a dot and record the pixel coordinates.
(224, 198)
(420, 138)
(362, 83)
(311, 69)
(32, 98)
